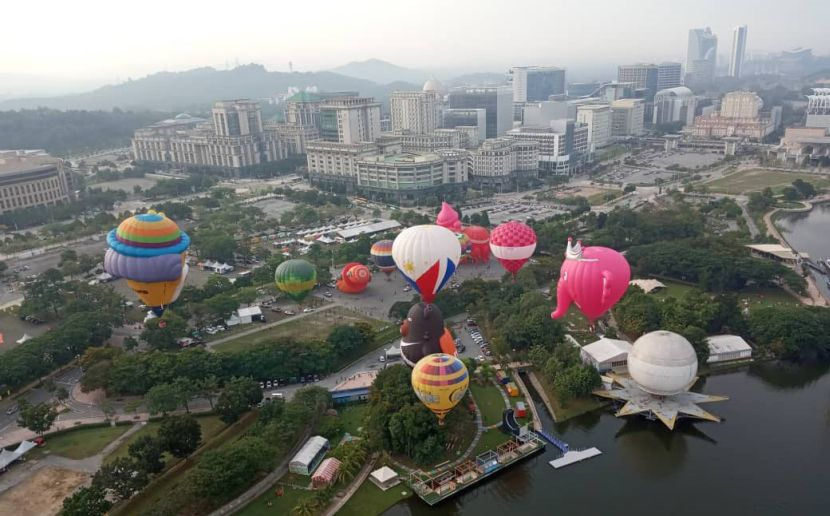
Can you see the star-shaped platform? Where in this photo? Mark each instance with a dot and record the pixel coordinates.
(665, 408)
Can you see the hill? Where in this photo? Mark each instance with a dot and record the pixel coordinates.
(381, 72)
(198, 88)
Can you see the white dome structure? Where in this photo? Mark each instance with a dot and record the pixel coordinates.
(663, 363)
(433, 85)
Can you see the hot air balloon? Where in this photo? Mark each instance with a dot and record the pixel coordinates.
(354, 278)
(149, 251)
(382, 256)
(447, 343)
(440, 381)
(427, 256)
(513, 244)
(296, 278)
(448, 218)
(479, 241)
(594, 278)
(421, 332)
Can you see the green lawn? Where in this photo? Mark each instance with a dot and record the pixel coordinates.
(489, 401)
(369, 500)
(755, 297)
(756, 180)
(673, 289)
(82, 442)
(571, 408)
(281, 505)
(490, 440)
(603, 197)
(211, 425)
(314, 326)
(352, 418)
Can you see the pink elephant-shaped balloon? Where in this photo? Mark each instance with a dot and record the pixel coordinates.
(594, 278)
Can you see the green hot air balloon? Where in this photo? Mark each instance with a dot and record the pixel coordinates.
(296, 278)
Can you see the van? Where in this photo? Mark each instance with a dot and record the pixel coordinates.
(277, 396)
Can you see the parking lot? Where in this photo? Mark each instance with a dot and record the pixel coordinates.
(502, 211)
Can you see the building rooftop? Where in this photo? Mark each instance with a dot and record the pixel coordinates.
(679, 91)
(14, 161)
(605, 349)
(310, 449)
(726, 344)
(305, 96)
(648, 285)
(361, 380)
(785, 253)
(368, 229)
(249, 311)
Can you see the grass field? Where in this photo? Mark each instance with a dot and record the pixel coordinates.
(211, 425)
(600, 198)
(279, 504)
(80, 443)
(369, 500)
(352, 418)
(490, 439)
(489, 401)
(756, 180)
(572, 408)
(754, 297)
(315, 326)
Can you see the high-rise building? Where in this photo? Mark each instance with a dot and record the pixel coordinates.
(627, 117)
(302, 121)
(669, 75)
(643, 75)
(818, 108)
(674, 105)
(350, 120)
(33, 178)
(536, 83)
(499, 161)
(740, 115)
(701, 55)
(736, 61)
(466, 118)
(598, 119)
(741, 104)
(497, 101)
(415, 111)
(235, 139)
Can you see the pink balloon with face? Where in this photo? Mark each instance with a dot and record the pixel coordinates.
(593, 278)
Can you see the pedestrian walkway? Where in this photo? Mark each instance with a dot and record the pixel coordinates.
(338, 504)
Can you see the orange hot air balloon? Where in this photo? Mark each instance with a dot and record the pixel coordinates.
(354, 278)
(447, 343)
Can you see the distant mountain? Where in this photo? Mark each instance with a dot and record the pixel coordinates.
(382, 72)
(198, 88)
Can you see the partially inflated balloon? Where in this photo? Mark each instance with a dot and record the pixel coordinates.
(148, 250)
(594, 278)
(448, 343)
(479, 241)
(427, 256)
(513, 244)
(354, 278)
(448, 218)
(382, 256)
(440, 381)
(296, 278)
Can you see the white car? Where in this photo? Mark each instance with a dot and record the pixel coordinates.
(307, 310)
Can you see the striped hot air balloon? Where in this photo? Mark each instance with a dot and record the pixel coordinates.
(513, 243)
(382, 256)
(296, 278)
(427, 256)
(149, 251)
(440, 381)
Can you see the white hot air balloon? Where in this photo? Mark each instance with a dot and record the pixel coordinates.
(427, 256)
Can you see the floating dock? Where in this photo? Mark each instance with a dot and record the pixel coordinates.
(572, 457)
(436, 486)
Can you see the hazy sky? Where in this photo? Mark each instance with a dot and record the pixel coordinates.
(111, 40)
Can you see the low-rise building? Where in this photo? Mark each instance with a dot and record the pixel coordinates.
(607, 354)
(740, 115)
(353, 389)
(727, 348)
(777, 253)
(216, 267)
(627, 117)
(385, 478)
(310, 455)
(804, 143)
(31, 179)
(500, 161)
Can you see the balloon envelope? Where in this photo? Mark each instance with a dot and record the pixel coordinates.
(440, 381)
(166, 267)
(382, 256)
(479, 241)
(513, 243)
(354, 278)
(296, 278)
(448, 218)
(593, 278)
(427, 256)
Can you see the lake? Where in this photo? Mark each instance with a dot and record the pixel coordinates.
(768, 456)
(809, 231)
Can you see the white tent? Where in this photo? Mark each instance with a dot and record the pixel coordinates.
(7, 457)
(385, 477)
(24, 338)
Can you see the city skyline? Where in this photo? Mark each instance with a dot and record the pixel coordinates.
(98, 45)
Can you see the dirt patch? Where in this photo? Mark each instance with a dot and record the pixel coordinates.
(42, 494)
(90, 398)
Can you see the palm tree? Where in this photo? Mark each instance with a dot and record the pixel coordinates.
(306, 506)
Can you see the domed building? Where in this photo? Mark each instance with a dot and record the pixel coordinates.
(663, 367)
(433, 85)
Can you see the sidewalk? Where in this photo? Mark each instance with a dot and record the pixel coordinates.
(332, 509)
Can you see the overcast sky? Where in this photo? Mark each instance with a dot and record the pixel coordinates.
(111, 40)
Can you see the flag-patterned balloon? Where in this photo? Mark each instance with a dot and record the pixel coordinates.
(440, 381)
(427, 256)
(513, 243)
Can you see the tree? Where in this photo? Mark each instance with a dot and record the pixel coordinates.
(231, 468)
(61, 394)
(221, 306)
(164, 333)
(121, 478)
(162, 398)
(239, 395)
(180, 435)
(37, 417)
(3, 267)
(629, 188)
(366, 330)
(147, 452)
(344, 339)
(86, 501)
(306, 506)
(206, 387)
(185, 390)
(216, 246)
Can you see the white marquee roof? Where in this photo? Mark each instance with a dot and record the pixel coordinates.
(727, 344)
(310, 450)
(606, 349)
(384, 474)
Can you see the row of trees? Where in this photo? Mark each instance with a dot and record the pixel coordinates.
(91, 202)
(563, 367)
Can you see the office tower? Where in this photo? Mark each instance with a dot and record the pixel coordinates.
(350, 120)
(237, 118)
(627, 117)
(31, 179)
(497, 101)
(535, 83)
(701, 55)
(598, 119)
(643, 75)
(818, 108)
(674, 105)
(501, 160)
(669, 75)
(415, 111)
(467, 118)
(736, 62)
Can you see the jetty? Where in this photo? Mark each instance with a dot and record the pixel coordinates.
(572, 457)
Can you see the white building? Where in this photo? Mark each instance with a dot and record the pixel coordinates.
(415, 111)
(741, 104)
(818, 108)
(350, 120)
(216, 267)
(674, 105)
(385, 478)
(249, 314)
(33, 178)
(501, 160)
(627, 117)
(542, 114)
(701, 55)
(606, 354)
(553, 152)
(726, 348)
(598, 119)
(308, 458)
(736, 61)
(465, 119)
(407, 176)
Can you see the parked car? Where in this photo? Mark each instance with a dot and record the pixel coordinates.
(307, 310)
(11, 410)
(262, 385)
(288, 312)
(327, 294)
(382, 359)
(268, 384)
(276, 309)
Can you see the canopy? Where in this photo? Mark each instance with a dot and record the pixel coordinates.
(326, 471)
(7, 457)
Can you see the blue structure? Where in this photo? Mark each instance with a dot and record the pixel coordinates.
(559, 443)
